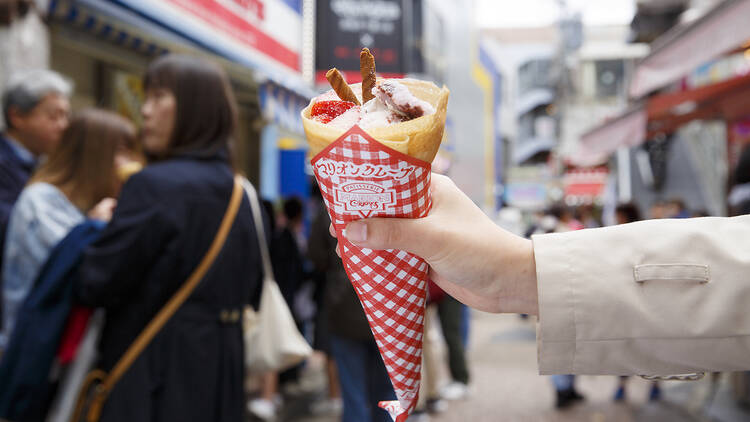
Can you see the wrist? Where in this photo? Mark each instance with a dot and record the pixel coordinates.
(528, 279)
(518, 278)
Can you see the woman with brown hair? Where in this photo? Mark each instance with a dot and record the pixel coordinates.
(166, 218)
(78, 180)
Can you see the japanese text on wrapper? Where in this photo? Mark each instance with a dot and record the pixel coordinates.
(328, 168)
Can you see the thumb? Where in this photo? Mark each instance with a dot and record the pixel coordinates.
(407, 234)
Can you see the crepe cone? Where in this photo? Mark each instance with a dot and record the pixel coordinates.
(384, 172)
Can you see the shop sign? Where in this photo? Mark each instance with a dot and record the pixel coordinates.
(529, 187)
(526, 195)
(282, 106)
(269, 28)
(586, 185)
(343, 27)
(719, 70)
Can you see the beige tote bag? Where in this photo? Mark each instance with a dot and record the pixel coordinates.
(272, 341)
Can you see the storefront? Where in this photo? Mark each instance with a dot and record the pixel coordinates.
(684, 127)
(105, 46)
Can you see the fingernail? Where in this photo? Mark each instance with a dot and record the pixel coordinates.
(356, 232)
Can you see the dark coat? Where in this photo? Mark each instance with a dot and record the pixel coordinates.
(346, 318)
(26, 363)
(165, 220)
(14, 174)
(288, 266)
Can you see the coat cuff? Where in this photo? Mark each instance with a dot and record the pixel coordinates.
(556, 332)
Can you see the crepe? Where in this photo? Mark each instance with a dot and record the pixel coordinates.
(419, 138)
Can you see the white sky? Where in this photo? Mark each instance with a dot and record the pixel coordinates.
(529, 13)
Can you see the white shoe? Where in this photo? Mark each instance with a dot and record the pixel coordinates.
(419, 417)
(278, 401)
(332, 406)
(262, 409)
(455, 391)
(294, 388)
(436, 405)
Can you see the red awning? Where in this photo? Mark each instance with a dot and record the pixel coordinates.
(626, 130)
(683, 49)
(728, 100)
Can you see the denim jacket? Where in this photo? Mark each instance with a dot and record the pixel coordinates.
(41, 217)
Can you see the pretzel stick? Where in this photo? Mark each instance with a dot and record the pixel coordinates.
(340, 86)
(367, 70)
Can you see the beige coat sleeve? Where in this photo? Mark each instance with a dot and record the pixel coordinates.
(655, 297)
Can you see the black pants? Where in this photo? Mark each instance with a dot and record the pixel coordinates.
(449, 312)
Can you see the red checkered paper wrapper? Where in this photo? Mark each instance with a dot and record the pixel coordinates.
(361, 178)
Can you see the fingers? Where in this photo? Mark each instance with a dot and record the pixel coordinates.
(442, 188)
(103, 210)
(109, 203)
(411, 235)
(419, 236)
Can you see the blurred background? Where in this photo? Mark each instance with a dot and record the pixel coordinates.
(561, 113)
(578, 102)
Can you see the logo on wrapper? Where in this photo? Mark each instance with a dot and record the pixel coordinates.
(364, 198)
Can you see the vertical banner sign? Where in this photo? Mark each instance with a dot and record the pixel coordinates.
(343, 27)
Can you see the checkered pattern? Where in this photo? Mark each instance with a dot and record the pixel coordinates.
(358, 172)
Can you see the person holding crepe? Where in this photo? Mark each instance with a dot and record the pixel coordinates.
(660, 297)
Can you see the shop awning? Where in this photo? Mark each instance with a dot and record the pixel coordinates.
(626, 130)
(268, 46)
(663, 114)
(684, 48)
(728, 100)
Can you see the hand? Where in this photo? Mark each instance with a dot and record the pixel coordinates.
(103, 210)
(470, 257)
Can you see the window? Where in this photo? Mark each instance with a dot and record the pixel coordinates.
(610, 76)
(534, 74)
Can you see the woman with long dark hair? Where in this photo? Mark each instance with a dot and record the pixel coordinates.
(166, 218)
(79, 179)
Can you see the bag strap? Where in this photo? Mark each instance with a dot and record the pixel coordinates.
(259, 229)
(161, 318)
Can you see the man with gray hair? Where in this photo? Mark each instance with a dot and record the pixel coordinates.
(35, 108)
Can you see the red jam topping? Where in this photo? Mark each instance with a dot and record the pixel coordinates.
(325, 111)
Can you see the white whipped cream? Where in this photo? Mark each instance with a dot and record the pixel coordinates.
(383, 110)
(346, 120)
